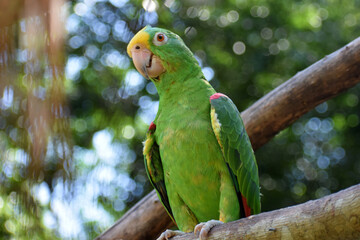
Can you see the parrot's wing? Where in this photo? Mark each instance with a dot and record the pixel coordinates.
(237, 151)
(154, 168)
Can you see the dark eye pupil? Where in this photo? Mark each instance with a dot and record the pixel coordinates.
(160, 37)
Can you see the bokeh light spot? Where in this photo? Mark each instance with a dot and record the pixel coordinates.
(283, 44)
(266, 33)
(81, 9)
(323, 162)
(299, 189)
(128, 132)
(232, 16)
(208, 73)
(204, 14)
(239, 48)
(118, 3)
(150, 5)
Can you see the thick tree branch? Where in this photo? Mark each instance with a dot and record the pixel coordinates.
(321, 81)
(145, 220)
(275, 111)
(336, 216)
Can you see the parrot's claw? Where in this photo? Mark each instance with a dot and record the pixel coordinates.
(169, 234)
(205, 227)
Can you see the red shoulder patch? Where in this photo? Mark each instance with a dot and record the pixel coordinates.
(246, 207)
(152, 127)
(217, 95)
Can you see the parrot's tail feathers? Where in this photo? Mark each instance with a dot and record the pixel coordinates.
(247, 209)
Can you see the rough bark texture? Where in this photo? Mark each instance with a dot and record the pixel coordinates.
(146, 220)
(275, 111)
(336, 216)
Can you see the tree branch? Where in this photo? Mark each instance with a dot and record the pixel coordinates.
(325, 79)
(336, 216)
(321, 81)
(145, 220)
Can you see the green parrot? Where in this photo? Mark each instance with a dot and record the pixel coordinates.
(197, 153)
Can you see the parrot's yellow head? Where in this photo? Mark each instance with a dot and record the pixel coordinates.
(157, 51)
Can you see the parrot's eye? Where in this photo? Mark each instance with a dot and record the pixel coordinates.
(160, 39)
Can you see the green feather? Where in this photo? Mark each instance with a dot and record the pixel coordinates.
(196, 177)
(233, 133)
(154, 170)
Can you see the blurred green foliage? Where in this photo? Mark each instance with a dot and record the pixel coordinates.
(246, 49)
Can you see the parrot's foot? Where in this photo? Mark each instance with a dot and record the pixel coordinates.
(205, 227)
(169, 234)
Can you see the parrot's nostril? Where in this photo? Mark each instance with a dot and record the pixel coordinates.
(137, 47)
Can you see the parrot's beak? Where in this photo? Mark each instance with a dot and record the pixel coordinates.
(146, 62)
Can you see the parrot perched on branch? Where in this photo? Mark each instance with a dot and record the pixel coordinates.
(197, 153)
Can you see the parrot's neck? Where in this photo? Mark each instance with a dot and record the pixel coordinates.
(176, 84)
(181, 93)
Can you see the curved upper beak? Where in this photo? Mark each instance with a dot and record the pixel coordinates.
(146, 62)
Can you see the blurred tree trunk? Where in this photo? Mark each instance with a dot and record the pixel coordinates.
(32, 37)
(277, 110)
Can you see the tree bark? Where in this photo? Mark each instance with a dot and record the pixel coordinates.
(321, 81)
(145, 220)
(336, 216)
